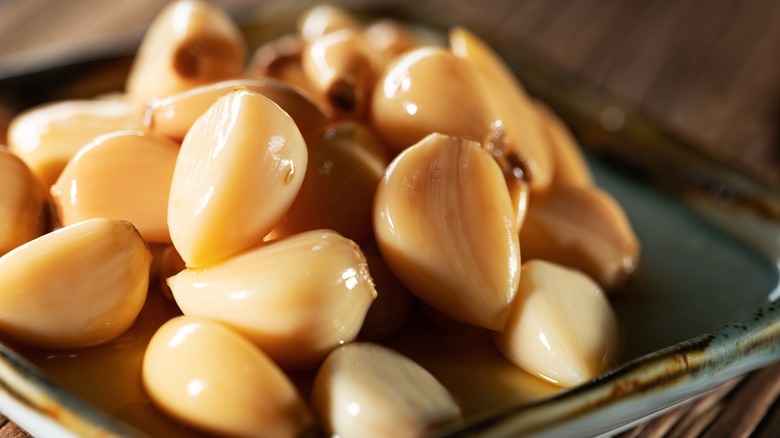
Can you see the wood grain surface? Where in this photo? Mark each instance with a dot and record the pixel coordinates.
(707, 68)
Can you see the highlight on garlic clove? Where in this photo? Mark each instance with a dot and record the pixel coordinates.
(79, 286)
(584, 229)
(562, 327)
(365, 389)
(239, 169)
(571, 167)
(189, 43)
(46, 137)
(346, 162)
(174, 115)
(296, 298)
(24, 204)
(445, 223)
(210, 377)
(321, 20)
(125, 175)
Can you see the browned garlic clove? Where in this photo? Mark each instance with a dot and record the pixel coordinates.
(445, 224)
(24, 205)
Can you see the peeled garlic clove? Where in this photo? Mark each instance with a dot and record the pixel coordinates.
(392, 306)
(296, 298)
(239, 170)
(345, 165)
(446, 225)
(429, 90)
(79, 286)
(189, 43)
(562, 327)
(24, 212)
(125, 176)
(210, 377)
(584, 229)
(365, 390)
(511, 105)
(321, 20)
(47, 136)
(343, 69)
(570, 165)
(173, 116)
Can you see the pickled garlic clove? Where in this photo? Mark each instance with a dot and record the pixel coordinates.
(345, 165)
(513, 108)
(584, 229)
(125, 175)
(189, 43)
(571, 168)
(321, 20)
(445, 224)
(562, 327)
(174, 115)
(239, 169)
(210, 377)
(296, 298)
(48, 136)
(429, 90)
(24, 206)
(365, 389)
(79, 286)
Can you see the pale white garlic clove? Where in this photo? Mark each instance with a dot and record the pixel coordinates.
(562, 327)
(125, 175)
(239, 169)
(79, 286)
(296, 298)
(210, 377)
(189, 43)
(24, 205)
(445, 223)
(365, 389)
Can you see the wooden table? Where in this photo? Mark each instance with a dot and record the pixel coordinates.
(707, 68)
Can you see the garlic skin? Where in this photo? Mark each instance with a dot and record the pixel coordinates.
(562, 327)
(24, 206)
(125, 175)
(239, 169)
(445, 223)
(296, 298)
(78, 286)
(210, 377)
(367, 390)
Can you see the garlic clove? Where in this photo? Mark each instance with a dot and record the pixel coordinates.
(570, 165)
(210, 377)
(174, 115)
(445, 224)
(365, 389)
(321, 20)
(562, 327)
(48, 136)
(125, 175)
(345, 165)
(79, 286)
(239, 169)
(296, 298)
(24, 206)
(189, 43)
(584, 229)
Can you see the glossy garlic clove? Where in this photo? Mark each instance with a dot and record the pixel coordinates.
(345, 165)
(562, 327)
(210, 377)
(296, 298)
(584, 229)
(365, 389)
(571, 167)
(445, 224)
(321, 20)
(239, 169)
(48, 136)
(24, 206)
(173, 116)
(125, 176)
(189, 43)
(79, 286)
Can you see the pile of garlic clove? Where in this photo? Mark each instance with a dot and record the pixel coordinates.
(290, 204)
